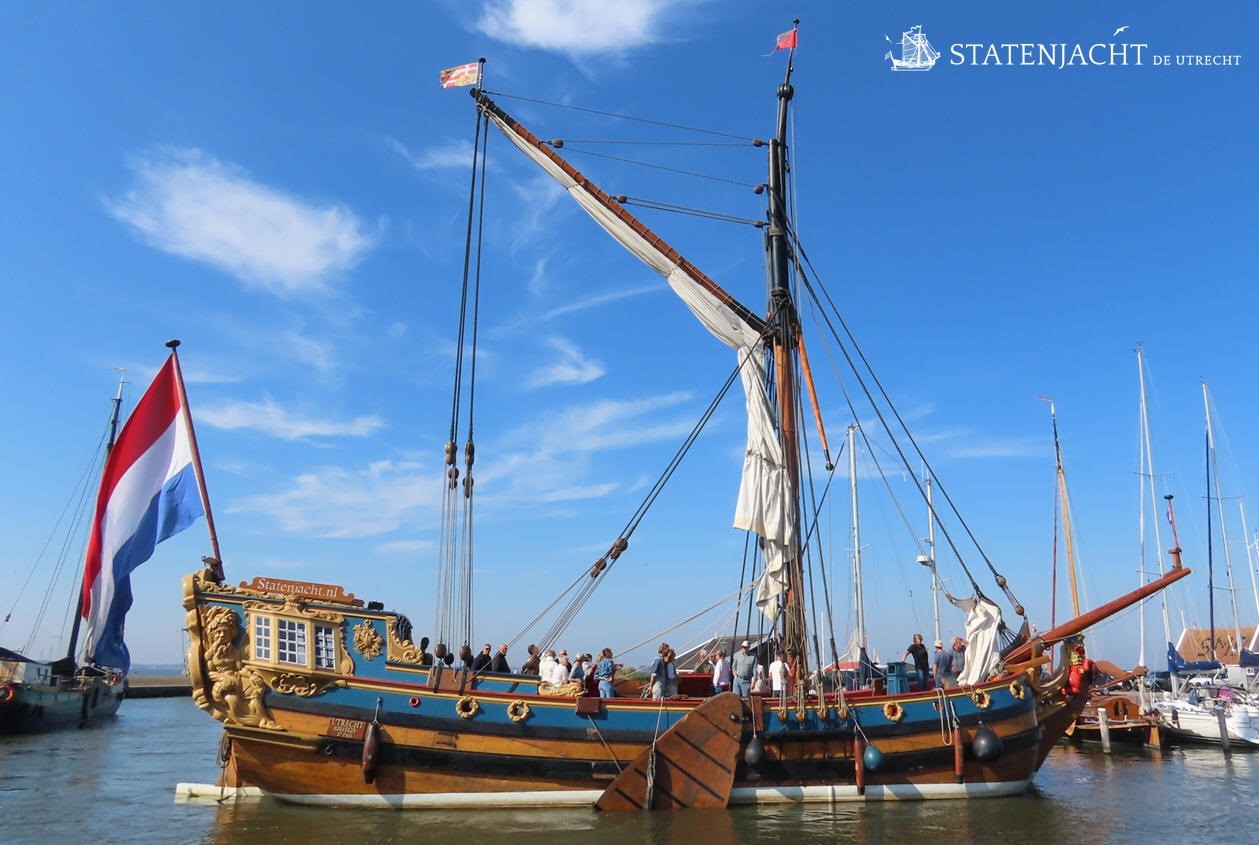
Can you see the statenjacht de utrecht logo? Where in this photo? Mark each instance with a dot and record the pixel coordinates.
(916, 53)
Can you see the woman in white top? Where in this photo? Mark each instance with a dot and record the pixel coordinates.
(723, 677)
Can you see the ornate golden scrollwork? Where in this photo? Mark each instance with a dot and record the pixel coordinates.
(893, 711)
(569, 689)
(367, 641)
(400, 650)
(467, 707)
(230, 690)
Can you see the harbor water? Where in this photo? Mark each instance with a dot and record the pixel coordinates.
(115, 783)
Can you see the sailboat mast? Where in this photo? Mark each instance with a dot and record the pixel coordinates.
(1219, 500)
(859, 597)
(1210, 561)
(931, 557)
(1150, 486)
(1250, 562)
(784, 331)
(109, 445)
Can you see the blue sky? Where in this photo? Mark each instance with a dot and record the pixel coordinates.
(283, 187)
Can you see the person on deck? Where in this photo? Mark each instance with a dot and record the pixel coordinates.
(546, 666)
(959, 657)
(743, 665)
(922, 663)
(605, 669)
(563, 667)
(578, 672)
(499, 663)
(483, 660)
(778, 674)
(670, 673)
(656, 683)
(942, 663)
(722, 676)
(530, 666)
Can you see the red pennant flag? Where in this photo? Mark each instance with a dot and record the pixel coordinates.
(787, 40)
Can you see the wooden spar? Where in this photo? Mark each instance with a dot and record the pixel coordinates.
(658, 243)
(216, 559)
(1086, 620)
(807, 372)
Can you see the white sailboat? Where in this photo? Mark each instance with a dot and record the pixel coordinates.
(1216, 704)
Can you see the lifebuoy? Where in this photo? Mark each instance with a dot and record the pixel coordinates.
(6, 693)
(518, 710)
(893, 711)
(982, 700)
(467, 707)
(1016, 689)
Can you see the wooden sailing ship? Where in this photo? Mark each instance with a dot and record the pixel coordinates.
(326, 699)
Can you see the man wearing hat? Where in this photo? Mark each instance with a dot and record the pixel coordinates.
(743, 665)
(941, 663)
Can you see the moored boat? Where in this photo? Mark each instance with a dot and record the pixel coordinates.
(147, 493)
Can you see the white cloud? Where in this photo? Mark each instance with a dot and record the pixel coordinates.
(269, 418)
(576, 26)
(190, 204)
(336, 502)
(454, 154)
(547, 459)
(572, 367)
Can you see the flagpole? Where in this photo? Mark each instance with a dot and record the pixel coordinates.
(215, 561)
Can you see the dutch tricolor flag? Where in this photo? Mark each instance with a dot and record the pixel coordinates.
(149, 492)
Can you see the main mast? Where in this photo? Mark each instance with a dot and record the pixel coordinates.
(783, 332)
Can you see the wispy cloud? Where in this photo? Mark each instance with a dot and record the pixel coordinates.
(572, 367)
(190, 204)
(576, 27)
(454, 154)
(269, 418)
(547, 459)
(532, 321)
(337, 502)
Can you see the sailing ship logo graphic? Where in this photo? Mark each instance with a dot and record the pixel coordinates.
(916, 51)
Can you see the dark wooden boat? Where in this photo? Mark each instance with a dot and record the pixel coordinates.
(148, 470)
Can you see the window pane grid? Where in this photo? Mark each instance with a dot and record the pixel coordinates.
(325, 647)
(262, 638)
(291, 642)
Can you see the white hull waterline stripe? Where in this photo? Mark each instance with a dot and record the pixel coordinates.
(757, 795)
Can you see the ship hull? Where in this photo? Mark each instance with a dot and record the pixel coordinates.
(76, 703)
(376, 728)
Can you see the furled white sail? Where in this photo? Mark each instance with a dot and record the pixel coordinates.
(983, 623)
(765, 499)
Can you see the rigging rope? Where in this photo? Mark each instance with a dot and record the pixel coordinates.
(631, 118)
(878, 410)
(453, 614)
